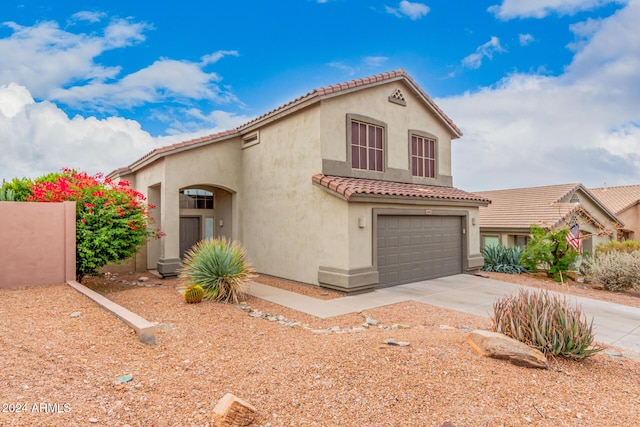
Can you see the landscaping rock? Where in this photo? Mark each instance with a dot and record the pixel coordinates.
(398, 343)
(75, 314)
(371, 321)
(500, 346)
(233, 411)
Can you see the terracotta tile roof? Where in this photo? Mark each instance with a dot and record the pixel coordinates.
(350, 187)
(519, 208)
(618, 199)
(316, 93)
(331, 89)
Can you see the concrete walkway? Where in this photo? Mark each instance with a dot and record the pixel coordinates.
(614, 324)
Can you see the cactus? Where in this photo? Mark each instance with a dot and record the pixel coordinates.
(193, 294)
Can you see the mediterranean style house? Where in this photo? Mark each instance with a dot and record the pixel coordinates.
(512, 212)
(347, 187)
(624, 201)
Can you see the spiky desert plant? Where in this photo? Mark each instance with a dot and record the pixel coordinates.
(220, 266)
(194, 294)
(547, 322)
(500, 259)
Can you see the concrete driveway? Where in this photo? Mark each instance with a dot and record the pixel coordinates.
(614, 324)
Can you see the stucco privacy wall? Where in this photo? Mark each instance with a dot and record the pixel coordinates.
(37, 243)
(289, 227)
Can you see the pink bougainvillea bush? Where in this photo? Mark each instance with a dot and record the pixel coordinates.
(112, 219)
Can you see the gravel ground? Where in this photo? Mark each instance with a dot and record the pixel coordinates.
(62, 369)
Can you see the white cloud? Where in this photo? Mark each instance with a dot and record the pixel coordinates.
(375, 61)
(414, 11)
(525, 39)
(581, 126)
(483, 51)
(163, 80)
(510, 9)
(38, 137)
(341, 66)
(44, 57)
(87, 16)
(217, 56)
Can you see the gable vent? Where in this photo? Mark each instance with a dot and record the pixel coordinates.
(398, 98)
(575, 199)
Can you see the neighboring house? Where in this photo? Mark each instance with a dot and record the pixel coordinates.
(348, 186)
(624, 201)
(507, 220)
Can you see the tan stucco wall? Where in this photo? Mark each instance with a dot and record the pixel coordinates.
(631, 219)
(375, 104)
(38, 243)
(288, 226)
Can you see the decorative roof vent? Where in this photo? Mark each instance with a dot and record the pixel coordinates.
(575, 199)
(397, 98)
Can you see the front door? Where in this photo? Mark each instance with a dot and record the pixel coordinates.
(189, 233)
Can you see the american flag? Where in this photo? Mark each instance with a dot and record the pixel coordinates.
(573, 238)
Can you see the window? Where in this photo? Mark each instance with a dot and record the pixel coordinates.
(488, 241)
(367, 144)
(196, 199)
(520, 241)
(423, 156)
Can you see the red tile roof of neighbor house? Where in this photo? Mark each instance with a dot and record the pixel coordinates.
(312, 96)
(618, 199)
(350, 187)
(519, 208)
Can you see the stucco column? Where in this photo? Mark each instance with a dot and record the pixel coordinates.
(169, 261)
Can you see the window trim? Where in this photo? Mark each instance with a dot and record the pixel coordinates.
(426, 135)
(368, 121)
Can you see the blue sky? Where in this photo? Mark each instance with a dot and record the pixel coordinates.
(545, 91)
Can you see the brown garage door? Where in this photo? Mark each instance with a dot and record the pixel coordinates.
(413, 248)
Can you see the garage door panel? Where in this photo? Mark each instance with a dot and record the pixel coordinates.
(413, 248)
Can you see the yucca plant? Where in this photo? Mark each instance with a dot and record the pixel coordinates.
(500, 259)
(547, 322)
(220, 267)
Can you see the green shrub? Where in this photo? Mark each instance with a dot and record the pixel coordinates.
(500, 259)
(548, 249)
(615, 246)
(220, 267)
(547, 322)
(617, 271)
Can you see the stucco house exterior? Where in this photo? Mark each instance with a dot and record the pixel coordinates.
(507, 220)
(624, 201)
(348, 187)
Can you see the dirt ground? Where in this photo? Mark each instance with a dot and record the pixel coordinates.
(63, 356)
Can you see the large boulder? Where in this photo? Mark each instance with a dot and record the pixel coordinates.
(500, 346)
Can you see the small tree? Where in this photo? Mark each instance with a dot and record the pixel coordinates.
(549, 249)
(112, 219)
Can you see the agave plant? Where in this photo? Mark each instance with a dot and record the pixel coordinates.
(220, 267)
(501, 259)
(547, 322)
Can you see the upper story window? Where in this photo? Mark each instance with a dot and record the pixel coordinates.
(367, 146)
(196, 198)
(423, 156)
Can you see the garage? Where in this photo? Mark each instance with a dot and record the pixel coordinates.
(411, 248)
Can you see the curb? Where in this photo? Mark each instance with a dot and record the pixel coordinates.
(146, 330)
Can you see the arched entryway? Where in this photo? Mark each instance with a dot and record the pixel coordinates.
(205, 211)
